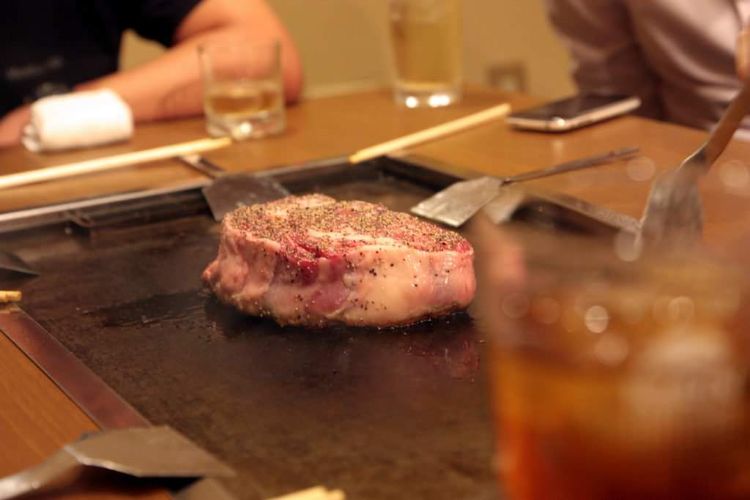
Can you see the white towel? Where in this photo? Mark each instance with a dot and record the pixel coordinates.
(79, 119)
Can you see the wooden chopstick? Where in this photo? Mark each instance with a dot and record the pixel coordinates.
(431, 133)
(7, 296)
(111, 162)
(315, 493)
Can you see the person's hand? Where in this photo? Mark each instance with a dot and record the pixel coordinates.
(742, 54)
(11, 126)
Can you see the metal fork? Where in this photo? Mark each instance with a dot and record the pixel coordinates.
(674, 214)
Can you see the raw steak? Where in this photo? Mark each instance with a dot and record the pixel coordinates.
(312, 260)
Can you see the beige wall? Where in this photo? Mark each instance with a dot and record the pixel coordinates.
(515, 31)
(344, 44)
(136, 50)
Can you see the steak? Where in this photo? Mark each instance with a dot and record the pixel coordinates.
(311, 260)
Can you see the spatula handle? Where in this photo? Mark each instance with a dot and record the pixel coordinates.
(582, 163)
(55, 470)
(738, 109)
(202, 165)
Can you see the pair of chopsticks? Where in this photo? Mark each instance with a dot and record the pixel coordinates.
(203, 145)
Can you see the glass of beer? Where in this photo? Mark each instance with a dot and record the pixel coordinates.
(427, 45)
(619, 380)
(243, 90)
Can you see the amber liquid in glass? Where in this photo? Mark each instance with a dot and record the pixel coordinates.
(669, 421)
(256, 104)
(427, 46)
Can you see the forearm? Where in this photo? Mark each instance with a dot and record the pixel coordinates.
(170, 86)
(167, 87)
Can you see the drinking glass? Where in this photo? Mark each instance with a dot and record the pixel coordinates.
(615, 379)
(243, 92)
(426, 41)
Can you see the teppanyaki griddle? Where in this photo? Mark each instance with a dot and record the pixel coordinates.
(400, 413)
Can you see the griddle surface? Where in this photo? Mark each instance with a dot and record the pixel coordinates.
(399, 413)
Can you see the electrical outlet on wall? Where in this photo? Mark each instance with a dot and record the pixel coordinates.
(510, 76)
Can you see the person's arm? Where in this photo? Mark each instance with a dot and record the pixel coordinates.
(169, 86)
(606, 54)
(12, 124)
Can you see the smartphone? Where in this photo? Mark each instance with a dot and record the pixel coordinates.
(573, 112)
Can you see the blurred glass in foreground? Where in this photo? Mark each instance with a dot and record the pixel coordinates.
(427, 45)
(611, 379)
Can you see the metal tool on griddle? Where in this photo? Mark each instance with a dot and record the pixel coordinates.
(459, 202)
(13, 264)
(153, 452)
(231, 190)
(674, 213)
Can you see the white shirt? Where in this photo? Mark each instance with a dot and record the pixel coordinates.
(677, 55)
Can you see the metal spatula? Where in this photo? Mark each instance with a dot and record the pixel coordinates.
(673, 215)
(141, 452)
(231, 190)
(459, 202)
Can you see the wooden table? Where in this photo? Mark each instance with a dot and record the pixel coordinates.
(36, 418)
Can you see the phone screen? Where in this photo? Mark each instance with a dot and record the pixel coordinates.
(570, 107)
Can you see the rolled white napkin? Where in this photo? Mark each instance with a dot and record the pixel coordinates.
(79, 119)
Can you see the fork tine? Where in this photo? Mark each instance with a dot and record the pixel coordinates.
(674, 212)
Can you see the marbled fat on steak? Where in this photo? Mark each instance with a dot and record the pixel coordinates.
(312, 260)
